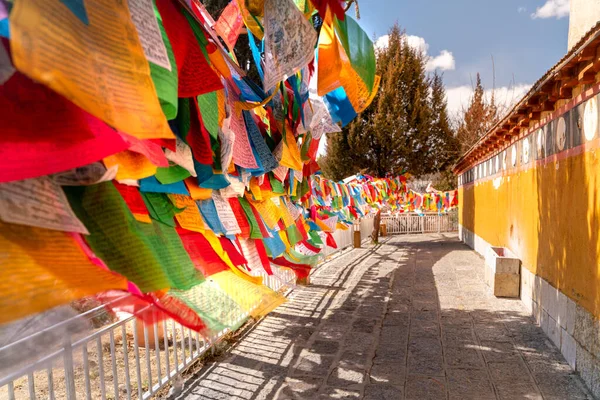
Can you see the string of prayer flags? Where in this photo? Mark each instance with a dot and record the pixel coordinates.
(138, 157)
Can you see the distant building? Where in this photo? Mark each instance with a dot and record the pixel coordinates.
(532, 184)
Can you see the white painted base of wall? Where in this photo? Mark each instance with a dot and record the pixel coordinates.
(570, 327)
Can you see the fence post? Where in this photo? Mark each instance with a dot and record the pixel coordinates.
(357, 236)
(69, 373)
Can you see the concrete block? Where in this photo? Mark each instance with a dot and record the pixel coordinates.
(568, 348)
(506, 285)
(544, 321)
(527, 303)
(571, 313)
(562, 310)
(554, 331)
(552, 301)
(584, 328)
(536, 311)
(545, 295)
(502, 272)
(537, 289)
(526, 283)
(596, 338)
(586, 365)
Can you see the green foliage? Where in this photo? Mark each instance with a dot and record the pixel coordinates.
(406, 128)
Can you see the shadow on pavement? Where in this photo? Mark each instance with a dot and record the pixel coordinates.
(408, 319)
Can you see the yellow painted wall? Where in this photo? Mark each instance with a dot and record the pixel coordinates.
(550, 217)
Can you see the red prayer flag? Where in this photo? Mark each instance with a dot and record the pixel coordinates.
(230, 23)
(43, 133)
(195, 75)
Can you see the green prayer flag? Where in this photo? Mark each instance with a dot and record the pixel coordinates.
(150, 255)
(160, 207)
(165, 80)
(359, 49)
(172, 174)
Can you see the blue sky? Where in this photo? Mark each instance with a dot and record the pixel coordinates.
(525, 37)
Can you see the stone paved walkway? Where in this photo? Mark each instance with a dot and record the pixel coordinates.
(409, 319)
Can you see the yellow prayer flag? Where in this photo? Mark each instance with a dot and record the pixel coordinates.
(196, 192)
(99, 65)
(190, 218)
(42, 268)
(268, 211)
(131, 165)
(216, 245)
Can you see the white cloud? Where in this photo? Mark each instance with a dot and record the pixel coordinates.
(417, 43)
(506, 96)
(552, 9)
(382, 42)
(522, 10)
(443, 62)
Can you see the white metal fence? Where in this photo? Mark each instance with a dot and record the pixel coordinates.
(64, 361)
(421, 223)
(345, 239)
(111, 362)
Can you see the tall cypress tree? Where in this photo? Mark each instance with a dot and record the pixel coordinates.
(477, 119)
(443, 144)
(406, 128)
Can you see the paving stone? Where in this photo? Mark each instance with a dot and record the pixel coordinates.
(388, 372)
(564, 386)
(301, 387)
(352, 359)
(331, 332)
(463, 357)
(359, 340)
(424, 329)
(425, 388)
(470, 385)
(383, 392)
(340, 393)
(390, 355)
(325, 347)
(517, 390)
(343, 377)
(393, 336)
(499, 351)
(307, 366)
(364, 325)
(508, 371)
(409, 319)
(395, 318)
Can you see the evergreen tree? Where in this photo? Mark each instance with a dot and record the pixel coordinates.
(441, 139)
(406, 128)
(477, 119)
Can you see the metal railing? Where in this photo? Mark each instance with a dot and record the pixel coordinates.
(125, 359)
(412, 223)
(122, 360)
(366, 227)
(345, 239)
